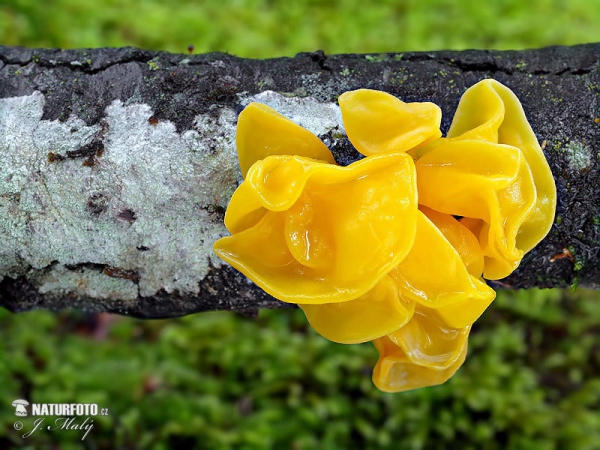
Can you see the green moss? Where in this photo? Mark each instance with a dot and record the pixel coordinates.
(376, 58)
(339, 26)
(272, 382)
(578, 259)
(399, 77)
(153, 65)
(575, 284)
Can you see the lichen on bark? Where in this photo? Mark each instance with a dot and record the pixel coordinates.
(117, 164)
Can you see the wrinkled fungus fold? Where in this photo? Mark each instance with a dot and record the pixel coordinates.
(262, 132)
(395, 372)
(324, 233)
(377, 122)
(394, 248)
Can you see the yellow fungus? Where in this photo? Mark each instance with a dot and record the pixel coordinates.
(394, 372)
(429, 342)
(321, 233)
(485, 181)
(461, 238)
(377, 122)
(262, 132)
(379, 312)
(364, 255)
(446, 288)
(434, 275)
(490, 121)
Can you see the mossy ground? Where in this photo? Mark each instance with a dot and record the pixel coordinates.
(219, 380)
(269, 28)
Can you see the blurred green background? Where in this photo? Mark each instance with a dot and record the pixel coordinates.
(220, 380)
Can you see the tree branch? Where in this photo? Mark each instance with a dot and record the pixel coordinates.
(117, 164)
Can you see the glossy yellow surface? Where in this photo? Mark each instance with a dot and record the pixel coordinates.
(393, 248)
(394, 372)
(484, 181)
(377, 122)
(428, 341)
(321, 233)
(491, 168)
(446, 289)
(379, 312)
(460, 237)
(434, 275)
(262, 132)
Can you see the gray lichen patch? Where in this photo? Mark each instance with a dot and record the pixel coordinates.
(317, 117)
(578, 155)
(85, 282)
(146, 203)
(130, 193)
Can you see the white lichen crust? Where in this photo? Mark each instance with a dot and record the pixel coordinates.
(146, 208)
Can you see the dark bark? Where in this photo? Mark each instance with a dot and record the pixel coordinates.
(558, 86)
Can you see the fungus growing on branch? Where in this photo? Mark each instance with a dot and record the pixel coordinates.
(393, 248)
